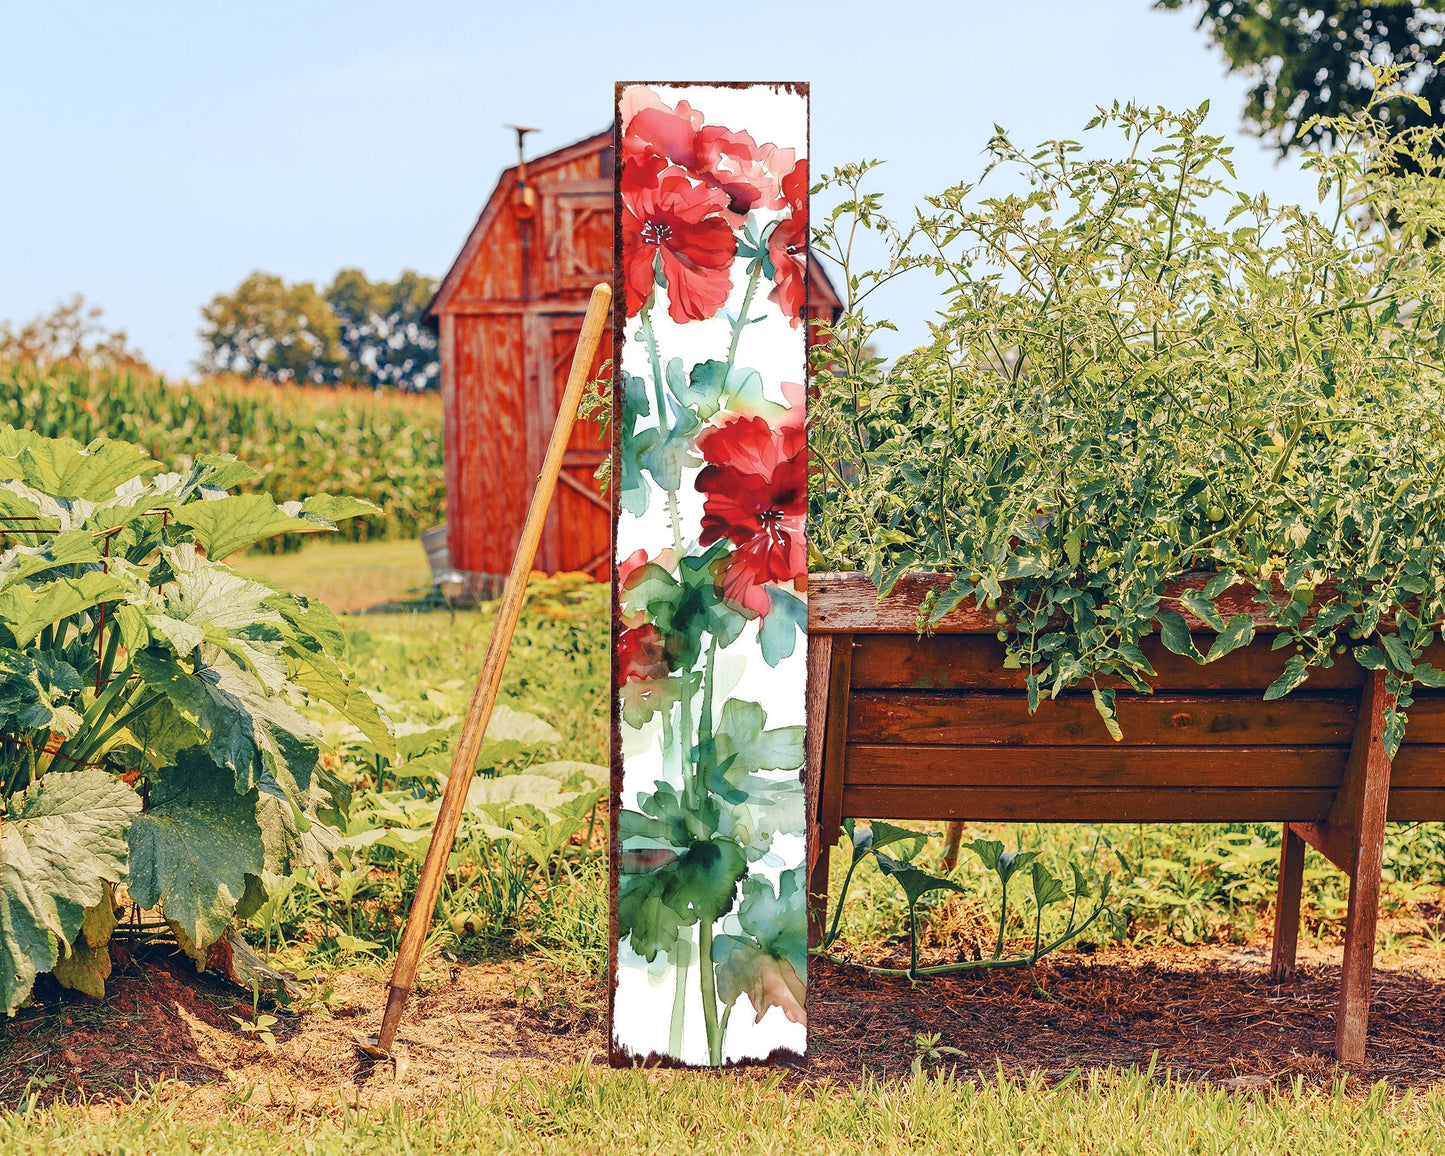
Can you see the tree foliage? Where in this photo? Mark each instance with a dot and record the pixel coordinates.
(1310, 61)
(356, 331)
(71, 332)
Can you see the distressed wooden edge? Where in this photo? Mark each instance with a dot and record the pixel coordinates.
(840, 602)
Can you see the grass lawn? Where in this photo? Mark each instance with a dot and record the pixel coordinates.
(505, 1027)
(590, 1110)
(348, 576)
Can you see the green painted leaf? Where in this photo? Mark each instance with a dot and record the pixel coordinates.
(744, 745)
(742, 967)
(191, 851)
(62, 841)
(700, 884)
(778, 631)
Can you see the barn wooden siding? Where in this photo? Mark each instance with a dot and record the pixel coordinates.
(508, 314)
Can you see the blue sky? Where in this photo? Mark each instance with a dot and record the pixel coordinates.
(160, 151)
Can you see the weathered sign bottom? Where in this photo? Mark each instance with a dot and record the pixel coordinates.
(904, 727)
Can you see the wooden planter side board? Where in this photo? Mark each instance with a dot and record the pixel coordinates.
(903, 727)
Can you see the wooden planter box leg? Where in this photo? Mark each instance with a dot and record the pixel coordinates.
(830, 671)
(1287, 905)
(1366, 792)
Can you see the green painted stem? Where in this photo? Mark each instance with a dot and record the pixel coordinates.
(743, 312)
(651, 339)
(709, 991)
(679, 1001)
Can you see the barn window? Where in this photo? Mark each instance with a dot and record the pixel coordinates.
(605, 164)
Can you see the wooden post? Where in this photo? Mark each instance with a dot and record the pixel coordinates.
(1287, 905)
(839, 671)
(1368, 787)
(479, 713)
(820, 654)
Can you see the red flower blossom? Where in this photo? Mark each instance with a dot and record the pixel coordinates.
(640, 655)
(717, 157)
(674, 218)
(756, 496)
(788, 247)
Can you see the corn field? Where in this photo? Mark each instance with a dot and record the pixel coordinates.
(386, 448)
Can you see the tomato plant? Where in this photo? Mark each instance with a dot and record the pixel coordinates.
(1139, 371)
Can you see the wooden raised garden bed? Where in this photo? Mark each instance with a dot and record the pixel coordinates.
(903, 727)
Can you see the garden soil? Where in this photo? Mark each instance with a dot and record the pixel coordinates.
(1207, 1013)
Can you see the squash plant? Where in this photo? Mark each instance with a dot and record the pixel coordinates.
(151, 728)
(1140, 371)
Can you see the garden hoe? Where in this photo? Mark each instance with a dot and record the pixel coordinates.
(474, 730)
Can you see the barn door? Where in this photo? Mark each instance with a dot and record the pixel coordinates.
(579, 527)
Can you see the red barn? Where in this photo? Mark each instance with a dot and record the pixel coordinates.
(509, 312)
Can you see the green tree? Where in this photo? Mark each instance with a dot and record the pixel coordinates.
(72, 331)
(272, 330)
(385, 338)
(1307, 59)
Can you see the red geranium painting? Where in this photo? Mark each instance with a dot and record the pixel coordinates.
(711, 479)
(788, 247)
(718, 157)
(675, 220)
(756, 495)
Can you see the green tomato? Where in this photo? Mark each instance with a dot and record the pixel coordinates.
(1002, 635)
(1215, 513)
(1001, 618)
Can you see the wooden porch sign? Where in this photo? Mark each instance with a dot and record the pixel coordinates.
(709, 481)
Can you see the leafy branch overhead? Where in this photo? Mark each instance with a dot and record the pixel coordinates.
(151, 728)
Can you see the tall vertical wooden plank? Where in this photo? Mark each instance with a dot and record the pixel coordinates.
(1369, 773)
(710, 816)
(820, 663)
(1287, 905)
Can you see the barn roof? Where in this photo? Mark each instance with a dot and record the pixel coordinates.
(501, 194)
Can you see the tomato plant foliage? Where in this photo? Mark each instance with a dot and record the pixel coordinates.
(150, 702)
(1140, 371)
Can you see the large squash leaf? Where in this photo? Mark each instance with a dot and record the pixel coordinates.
(65, 468)
(86, 966)
(229, 524)
(27, 610)
(63, 840)
(246, 730)
(191, 852)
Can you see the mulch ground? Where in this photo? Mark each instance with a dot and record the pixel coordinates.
(1208, 1013)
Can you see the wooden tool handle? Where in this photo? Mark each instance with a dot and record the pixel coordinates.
(474, 730)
